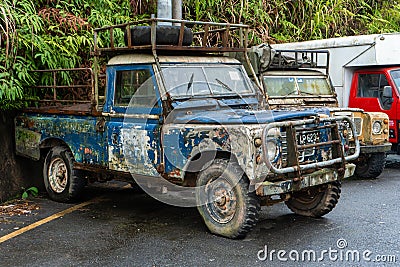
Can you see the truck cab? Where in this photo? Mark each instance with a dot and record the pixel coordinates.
(186, 124)
(376, 89)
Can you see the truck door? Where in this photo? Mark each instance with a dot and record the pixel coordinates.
(367, 93)
(134, 109)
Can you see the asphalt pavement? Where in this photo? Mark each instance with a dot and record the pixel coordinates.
(119, 226)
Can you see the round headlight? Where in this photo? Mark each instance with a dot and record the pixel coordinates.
(376, 127)
(257, 142)
(272, 148)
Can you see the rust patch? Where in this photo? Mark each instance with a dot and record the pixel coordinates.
(175, 173)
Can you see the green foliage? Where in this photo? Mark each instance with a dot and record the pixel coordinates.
(52, 34)
(31, 191)
(295, 20)
(384, 19)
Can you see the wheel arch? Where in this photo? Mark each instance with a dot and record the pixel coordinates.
(48, 143)
(201, 159)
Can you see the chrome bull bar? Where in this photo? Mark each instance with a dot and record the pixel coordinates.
(297, 167)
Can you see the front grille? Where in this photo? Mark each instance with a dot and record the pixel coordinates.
(358, 124)
(309, 144)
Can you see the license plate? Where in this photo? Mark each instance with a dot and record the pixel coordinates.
(308, 138)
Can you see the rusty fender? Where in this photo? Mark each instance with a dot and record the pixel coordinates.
(183, 143)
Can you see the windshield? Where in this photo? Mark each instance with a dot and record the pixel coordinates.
(203, 80)
(286, 85)
(396, 78)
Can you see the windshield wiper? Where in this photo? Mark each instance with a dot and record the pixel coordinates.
(190, 83)
(225, 85)
(228, 88)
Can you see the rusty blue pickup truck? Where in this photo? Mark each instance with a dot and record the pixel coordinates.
(185, 122)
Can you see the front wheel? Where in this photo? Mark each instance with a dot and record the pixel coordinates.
(62, 182)
(316, 201)
(224, 201)
(371, 166)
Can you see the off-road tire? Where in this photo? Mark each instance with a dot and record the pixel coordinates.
(371, 166)
(315, 201)
(67, 186)
(228, 179)
(165, 35)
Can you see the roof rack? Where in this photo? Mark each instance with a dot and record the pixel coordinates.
(264, 57)
(299, 59)
(209, 37)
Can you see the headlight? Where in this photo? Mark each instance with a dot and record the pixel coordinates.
(377, 127)
(257, 142)
(272, 148)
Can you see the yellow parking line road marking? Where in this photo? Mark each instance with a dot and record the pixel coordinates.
(49, 219)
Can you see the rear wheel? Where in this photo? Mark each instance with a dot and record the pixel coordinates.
(316, 201)
(224, 201)
(62, 182)
(371, 166)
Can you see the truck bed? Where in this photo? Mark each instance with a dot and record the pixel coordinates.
(53, 96)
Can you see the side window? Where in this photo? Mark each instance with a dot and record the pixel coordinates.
(368, 85)
(371, 85)
(135, 88)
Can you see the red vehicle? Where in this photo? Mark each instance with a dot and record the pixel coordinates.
(376, 89)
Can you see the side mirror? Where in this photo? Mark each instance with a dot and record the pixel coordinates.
(387, 97)
(387, 92)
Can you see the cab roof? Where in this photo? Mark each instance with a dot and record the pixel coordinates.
(130, 59)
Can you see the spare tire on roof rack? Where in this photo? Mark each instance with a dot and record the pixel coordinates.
(165, 35)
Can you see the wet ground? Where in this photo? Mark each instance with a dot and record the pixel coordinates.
(119, 226)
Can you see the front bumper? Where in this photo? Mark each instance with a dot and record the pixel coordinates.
(316, 178)
(368, 149)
